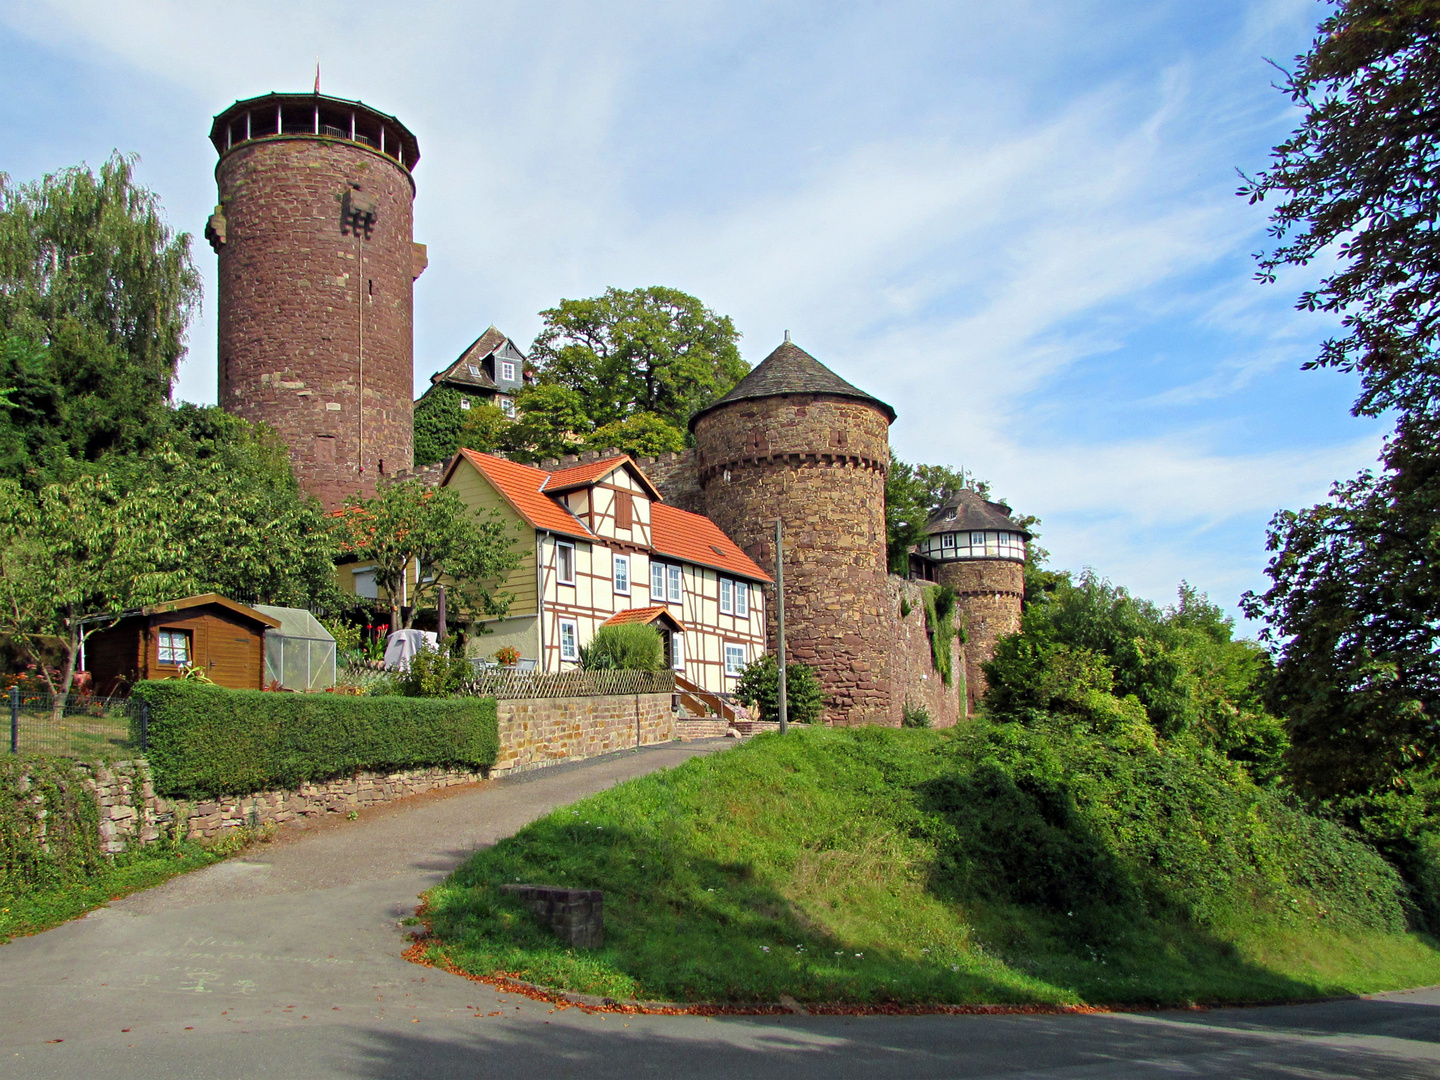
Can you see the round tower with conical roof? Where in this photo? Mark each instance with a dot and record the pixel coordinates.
(975, 547)
(795, 441)
(314, 237)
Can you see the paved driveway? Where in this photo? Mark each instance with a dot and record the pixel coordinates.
(286, 964)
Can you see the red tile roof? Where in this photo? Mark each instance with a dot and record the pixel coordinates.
(580, 475)
(696, 539)
(520, 485)
(674, 533)
(645, 615)
(583, 475)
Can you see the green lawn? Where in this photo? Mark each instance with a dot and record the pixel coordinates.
(50, 905)
(974, 867)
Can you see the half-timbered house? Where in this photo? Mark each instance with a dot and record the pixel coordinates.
(598, 545)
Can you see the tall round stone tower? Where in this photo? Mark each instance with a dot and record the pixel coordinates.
(975, 547)
(795, 441)
(317, 260)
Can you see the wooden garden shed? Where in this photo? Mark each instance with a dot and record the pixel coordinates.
(224, 639)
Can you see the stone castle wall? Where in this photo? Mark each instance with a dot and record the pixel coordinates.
(989, 594)
(913, 677)
(295, 286)
(818, 463)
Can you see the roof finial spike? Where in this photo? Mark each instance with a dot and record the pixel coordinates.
(787, 335)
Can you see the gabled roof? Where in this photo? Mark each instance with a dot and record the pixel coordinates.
(645, 615)
(791, 370)
(520, 486)
(972, 513)
(204, 599)
(474, 355)
(696, 539)
(592, 473)
(674, 533)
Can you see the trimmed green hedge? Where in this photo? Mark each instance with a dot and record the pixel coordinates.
(206, 741)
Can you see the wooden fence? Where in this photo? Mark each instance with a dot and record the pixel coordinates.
(506, 683)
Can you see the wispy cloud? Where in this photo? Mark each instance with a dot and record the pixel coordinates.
(1014, 221)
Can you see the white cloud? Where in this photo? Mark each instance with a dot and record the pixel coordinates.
(945, 204)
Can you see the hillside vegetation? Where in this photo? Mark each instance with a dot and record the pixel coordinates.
(992, 863)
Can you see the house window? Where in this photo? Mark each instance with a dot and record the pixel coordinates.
(727, 596)
(742, 599)
(565, 563)
(464, 402)
(657, 580)
(507, 371)
(948, 540)
(473, 369)
(174, 647)
(677, 650)
(365, 583)
(622, 574)
(624, 511)
(507, 407)
(734, 660)
(569, 640)
(977, 539)
(674, 584)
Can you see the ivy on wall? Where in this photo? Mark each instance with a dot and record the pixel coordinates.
(940, 624)
(49, 824)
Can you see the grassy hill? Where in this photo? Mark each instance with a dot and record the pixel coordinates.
(994, 863)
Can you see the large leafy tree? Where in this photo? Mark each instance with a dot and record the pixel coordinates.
(1351, 605)
(408, 527)
(236, 520)
(912, 494)
(96, 292)
(73, 558)
(639, 435)
(652, 350)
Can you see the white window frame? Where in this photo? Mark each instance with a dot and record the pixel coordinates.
(507, 370)
(727, 596)
(621, 576)
(657, 576)
(677, 650)
(569, 650)
(507, 407)
(464, 403)
(560, 548)
(742, 599)
(165, 644)
(734, 652)
(675, 578)
(947, 540)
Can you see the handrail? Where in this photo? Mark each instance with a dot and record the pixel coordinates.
(705, 698)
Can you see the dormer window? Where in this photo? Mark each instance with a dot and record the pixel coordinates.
(950, 514)
(507, 371)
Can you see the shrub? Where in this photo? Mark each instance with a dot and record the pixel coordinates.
(49, 824)
(434, 672)
(760, 685)
(912, 715)
(206, 741)
(624, 647)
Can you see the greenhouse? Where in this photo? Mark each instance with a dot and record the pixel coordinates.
(300, 652)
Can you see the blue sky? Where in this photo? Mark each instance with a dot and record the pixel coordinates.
(1014, 220)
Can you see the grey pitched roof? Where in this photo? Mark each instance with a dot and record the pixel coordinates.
(458, 373)
(972, 512)
(791, 370)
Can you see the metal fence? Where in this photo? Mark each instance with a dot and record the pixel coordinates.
(83, 726)
(509, 683)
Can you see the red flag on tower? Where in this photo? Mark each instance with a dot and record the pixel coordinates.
(317, 75)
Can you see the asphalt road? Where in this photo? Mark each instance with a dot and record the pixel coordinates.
(286, 963)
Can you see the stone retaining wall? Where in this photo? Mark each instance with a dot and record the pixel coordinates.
(534, 733)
